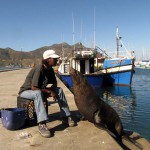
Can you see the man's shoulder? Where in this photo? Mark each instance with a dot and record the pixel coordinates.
(38, 67)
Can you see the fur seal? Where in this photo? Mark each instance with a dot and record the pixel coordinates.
(95, 110)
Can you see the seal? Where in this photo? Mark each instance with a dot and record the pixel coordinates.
(95, 110)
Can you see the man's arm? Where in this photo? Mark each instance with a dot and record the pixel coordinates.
(48, 91)
(43, 90)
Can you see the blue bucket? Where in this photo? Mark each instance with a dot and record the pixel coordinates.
(13, 118)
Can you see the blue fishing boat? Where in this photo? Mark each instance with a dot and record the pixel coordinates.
(82, 61)
(118, 71)
(118, 67)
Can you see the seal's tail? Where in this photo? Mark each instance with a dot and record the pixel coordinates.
(125, 137)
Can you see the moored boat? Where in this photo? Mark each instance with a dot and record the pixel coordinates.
(118, 71)
(145, 64)
(82, 61)
(118, 67)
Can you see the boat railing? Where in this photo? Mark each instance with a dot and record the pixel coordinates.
(121, 54)
(84, 53)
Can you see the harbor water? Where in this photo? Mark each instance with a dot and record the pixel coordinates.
(10, 68)
(132, 103)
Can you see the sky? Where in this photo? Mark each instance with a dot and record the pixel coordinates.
(30, 24)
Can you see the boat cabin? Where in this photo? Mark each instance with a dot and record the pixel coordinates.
(82, 61)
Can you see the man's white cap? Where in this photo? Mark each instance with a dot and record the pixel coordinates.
(50, 54)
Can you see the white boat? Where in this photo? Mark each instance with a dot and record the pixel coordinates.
(83, 61)
(143, 64)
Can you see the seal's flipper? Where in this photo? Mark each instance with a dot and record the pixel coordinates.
(83, 118)
(100, 124)
(127, 138)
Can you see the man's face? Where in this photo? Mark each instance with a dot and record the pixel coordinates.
(52, 61)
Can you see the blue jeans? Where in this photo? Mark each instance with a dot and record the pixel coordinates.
(38, 97)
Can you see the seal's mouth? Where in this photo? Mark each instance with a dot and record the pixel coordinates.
(72, 71)
(76, 75)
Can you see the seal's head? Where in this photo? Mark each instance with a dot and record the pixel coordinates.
(77, 77)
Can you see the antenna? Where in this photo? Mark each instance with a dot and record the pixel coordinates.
(117, 41)
(73, 29)
(62, 47)
(94, 29)
(81, 32)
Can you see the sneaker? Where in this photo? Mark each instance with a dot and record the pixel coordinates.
(68, 121)
(44, 131)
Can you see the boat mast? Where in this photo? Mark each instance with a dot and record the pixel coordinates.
(94, 28)
(117, 42)
(63, 53)
(73, 30)
(81, 32)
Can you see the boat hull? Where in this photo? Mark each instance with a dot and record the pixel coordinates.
(118, 72)
(118, 78)
(96, 81)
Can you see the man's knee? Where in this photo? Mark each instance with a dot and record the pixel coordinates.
(59, 90)
(37, 92)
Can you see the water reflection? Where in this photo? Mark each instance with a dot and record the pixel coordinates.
(122, 99)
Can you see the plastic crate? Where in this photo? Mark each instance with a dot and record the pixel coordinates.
(30, 115)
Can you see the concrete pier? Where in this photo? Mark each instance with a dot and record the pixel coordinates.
(84, 136)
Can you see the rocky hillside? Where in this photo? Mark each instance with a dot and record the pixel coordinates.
(9, 56)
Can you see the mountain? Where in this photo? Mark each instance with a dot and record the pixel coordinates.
(9, 56)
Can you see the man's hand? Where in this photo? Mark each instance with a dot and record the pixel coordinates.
(53, 94)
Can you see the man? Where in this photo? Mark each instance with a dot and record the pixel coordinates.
(35, 87)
